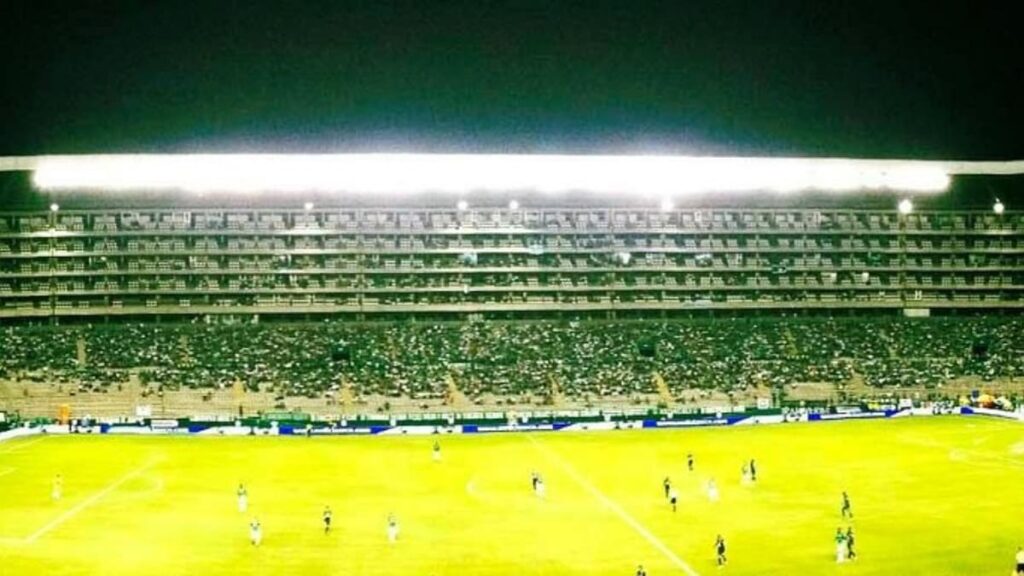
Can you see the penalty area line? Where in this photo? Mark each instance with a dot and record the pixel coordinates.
(71, 513)
(19, 445)
(613, 506)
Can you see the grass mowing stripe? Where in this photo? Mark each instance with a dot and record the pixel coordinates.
(85, 503)
(613, 506)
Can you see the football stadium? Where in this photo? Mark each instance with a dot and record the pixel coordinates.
(475, 287)
(533, 375)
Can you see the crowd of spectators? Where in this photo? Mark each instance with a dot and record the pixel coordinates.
(511, 359)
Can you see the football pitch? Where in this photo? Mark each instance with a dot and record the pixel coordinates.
(938, 495)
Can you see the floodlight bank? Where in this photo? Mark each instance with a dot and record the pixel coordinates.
(408, 174)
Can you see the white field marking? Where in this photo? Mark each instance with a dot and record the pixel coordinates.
(971, 457)
(85, 504)
(157, 486)
(613, 506)
(20, 445)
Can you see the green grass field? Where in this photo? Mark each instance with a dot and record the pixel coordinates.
(930, 495)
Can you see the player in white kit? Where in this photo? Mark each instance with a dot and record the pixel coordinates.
(840, 540)
(243, 498)
(712, 490)
(392, 528)
(255, 532)
(58, 488)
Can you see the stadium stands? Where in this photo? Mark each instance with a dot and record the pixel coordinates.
(500, 261)
(402, 302)
(579, 359)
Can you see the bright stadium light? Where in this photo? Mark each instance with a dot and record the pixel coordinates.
(462, 205)
(307, 206)
(667, 205)
(513, 205)
(400, 174)
(906, 206)
(999, 207)
(54, 207)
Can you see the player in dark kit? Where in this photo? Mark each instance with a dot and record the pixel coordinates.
(640, 571)
(667, 484)
(753, 471)
(689, 462)
(849, 544)
(847, 510)
(534, 479)
(327, 519)
(720, 550)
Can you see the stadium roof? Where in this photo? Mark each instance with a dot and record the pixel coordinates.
(416, 173)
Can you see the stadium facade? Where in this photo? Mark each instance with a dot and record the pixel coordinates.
(409, 254)
(67, 263)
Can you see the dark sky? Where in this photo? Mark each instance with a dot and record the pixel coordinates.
(857, 78)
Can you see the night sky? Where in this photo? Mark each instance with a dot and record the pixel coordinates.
(820, 78)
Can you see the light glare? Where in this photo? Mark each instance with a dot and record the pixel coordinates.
(54, 207)
(513, 205)
(906, 206)
(999, 207)
(397, 174)
(462, 205)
